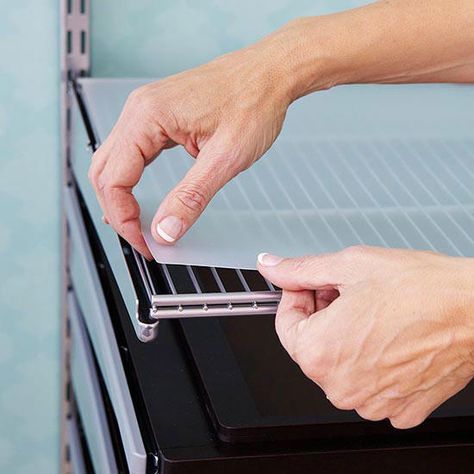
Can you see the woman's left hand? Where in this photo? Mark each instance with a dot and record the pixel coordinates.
(389, 333)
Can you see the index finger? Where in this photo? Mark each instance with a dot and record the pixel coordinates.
(121, 173)
(118, 165)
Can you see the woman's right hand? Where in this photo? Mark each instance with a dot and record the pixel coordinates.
(226, 114)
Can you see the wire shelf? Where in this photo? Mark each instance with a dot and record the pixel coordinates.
(206, 291)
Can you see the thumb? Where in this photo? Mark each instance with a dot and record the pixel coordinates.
(186, 202)
(325, 271)
(293, 312)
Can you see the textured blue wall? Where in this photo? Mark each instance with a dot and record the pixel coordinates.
(29, 237)
(147, 38)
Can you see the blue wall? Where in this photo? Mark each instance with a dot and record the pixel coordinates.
(147, 38)
(29, 237)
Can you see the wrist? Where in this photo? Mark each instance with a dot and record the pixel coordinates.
(314, 64)
(297, 58)
(304, 60)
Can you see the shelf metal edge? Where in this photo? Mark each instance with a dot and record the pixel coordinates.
(214, 304)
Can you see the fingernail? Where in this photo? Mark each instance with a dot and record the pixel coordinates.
(104, 220)
(169, 228)
(268, 260)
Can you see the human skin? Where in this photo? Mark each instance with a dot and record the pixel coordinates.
(386, 332)
(228, 112)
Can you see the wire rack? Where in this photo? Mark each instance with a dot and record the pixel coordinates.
(205, 291)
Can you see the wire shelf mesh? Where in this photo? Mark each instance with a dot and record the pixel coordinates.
(207, 291)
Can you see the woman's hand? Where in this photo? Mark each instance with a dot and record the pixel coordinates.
(389, 333)
(226, 114)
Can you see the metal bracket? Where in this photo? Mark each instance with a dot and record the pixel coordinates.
(75, 62)
(75, 38)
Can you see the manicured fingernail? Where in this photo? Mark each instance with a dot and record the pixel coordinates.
(104, 220)
(268, 260)
(170, 228)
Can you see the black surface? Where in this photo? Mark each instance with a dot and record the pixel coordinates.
(258, 395)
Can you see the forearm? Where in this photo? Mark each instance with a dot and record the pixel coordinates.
(390, 41)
